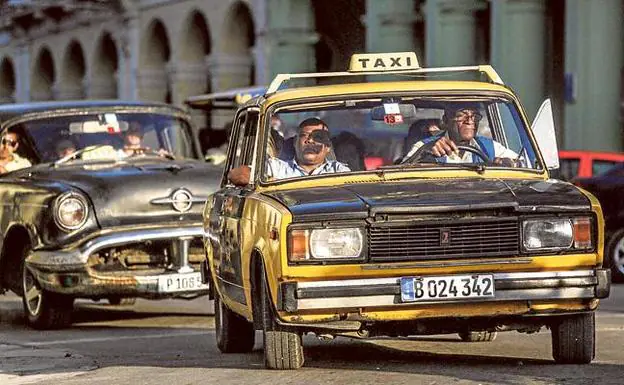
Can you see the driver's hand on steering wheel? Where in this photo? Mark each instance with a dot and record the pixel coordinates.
(444, 146)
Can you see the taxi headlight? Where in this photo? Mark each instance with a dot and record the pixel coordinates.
(325, 244)
(557, 234)
(71, 211)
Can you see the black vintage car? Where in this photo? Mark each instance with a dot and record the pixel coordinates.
(96, 215)
(608, 189)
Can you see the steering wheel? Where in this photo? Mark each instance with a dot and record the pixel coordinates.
(424, 153)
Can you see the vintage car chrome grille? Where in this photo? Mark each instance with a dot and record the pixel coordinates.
(442, 240)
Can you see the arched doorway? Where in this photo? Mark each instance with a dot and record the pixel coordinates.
(233, 63)
(155, 55)
(73, 73)
(103, 82)
(341, 33)
(7, 81)
(43, 76)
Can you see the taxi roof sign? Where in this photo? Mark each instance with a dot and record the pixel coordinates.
(392, 61)
(389, 63)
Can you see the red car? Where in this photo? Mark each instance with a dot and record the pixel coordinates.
(585, 164)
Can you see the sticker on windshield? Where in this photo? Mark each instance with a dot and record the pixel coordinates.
(392, 108)
(393, 119)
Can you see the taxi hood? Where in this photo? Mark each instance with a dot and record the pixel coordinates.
(359, 201)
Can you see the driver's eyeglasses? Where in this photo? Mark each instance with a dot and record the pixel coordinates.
(476, 117)
(8, 142)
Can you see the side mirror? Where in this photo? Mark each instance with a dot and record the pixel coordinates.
(544, 130)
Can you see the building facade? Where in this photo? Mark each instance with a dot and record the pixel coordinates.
(167, 50)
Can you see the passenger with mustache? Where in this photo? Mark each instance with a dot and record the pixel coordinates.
(312, 145)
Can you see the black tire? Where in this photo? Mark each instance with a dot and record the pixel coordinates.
(574, 339)
(477, 336)
(43, 309)
(283, 349)
(234, 333)
(614, 255)
(122, 301)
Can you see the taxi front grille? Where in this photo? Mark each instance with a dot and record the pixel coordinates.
(459, 239)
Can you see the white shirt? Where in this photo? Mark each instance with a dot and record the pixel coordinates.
(280, 169)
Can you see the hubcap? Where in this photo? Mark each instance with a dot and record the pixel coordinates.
(32, 293)
(618, 255)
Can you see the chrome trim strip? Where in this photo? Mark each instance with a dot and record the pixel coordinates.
(394, 266)
(497, 277)
(80, 255)
(115, 239)
(391, 300)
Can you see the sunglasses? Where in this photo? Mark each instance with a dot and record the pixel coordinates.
(476, 117)
(8, 142)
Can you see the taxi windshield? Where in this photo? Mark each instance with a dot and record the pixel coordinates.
(396, 132)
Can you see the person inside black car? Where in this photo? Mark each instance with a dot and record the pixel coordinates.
(9, 159)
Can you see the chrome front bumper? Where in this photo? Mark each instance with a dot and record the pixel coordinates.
(67, 270)
(386, 292)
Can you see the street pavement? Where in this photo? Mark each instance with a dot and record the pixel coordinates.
(39, 359)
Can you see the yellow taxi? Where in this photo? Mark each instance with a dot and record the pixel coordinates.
(396, 200)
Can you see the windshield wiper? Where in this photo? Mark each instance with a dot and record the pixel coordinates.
(77, 153)
(478, 167)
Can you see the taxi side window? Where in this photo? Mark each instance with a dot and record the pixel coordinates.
(243, 137)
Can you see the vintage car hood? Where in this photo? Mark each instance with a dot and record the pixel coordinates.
(422, 196)
(136, 193)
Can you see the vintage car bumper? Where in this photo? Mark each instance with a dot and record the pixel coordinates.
(68, 271)
(344, 295)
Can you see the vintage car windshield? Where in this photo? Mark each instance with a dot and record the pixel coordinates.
(385, 133)
(49, 137)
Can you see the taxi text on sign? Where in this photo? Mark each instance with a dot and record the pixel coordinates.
(392, 61)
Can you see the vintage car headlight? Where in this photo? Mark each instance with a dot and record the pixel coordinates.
(325, 244)
(557, 234)
(71, 211)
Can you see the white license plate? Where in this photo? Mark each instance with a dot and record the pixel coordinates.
(447, 288)
(180, 282)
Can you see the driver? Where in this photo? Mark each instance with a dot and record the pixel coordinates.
(133, 143)
(133, 139)
(461, 129)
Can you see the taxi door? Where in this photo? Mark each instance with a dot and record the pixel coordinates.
(227, 209)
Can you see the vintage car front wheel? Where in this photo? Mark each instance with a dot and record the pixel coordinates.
(283, 348)
(43, 309)
(574, 339)
(234, 333)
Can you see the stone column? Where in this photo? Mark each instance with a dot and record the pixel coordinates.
(63, 91)
(518, 42)
(227, 71)
(188, 79)
(152, 84)
(285, 38)
(22, 73)
(129, 48)
(451, 30)
(390, 26)
(102, 87)
(593, 65)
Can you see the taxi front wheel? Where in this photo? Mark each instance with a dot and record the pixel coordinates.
(283, 349)
(574, 339)
(234, 333)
